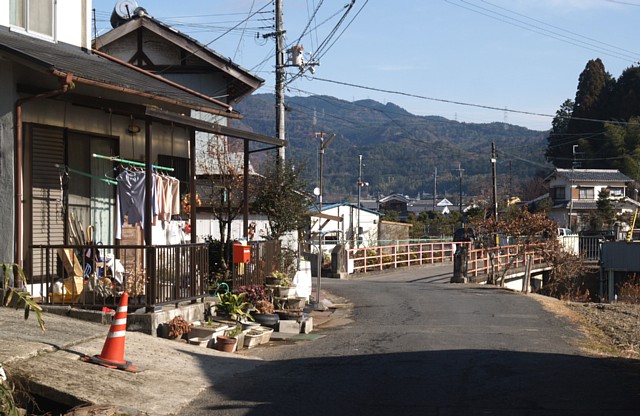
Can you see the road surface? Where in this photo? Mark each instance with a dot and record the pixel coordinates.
(413, 344)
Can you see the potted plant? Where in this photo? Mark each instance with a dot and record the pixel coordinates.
(286, 288)
(177, 327)
(264, 314)
(234, 306)
(229, 341)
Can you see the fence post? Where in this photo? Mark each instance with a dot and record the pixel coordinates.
(527, 274)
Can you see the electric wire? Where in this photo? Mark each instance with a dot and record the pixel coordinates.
(462, 103)
(541, 31)
(253, 3)
(311, 19)
(215, 39)
(560, 28)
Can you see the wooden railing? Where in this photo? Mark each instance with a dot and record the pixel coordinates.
(494, 260)
(367, 259)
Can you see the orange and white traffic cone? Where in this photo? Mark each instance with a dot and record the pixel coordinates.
(112, 355)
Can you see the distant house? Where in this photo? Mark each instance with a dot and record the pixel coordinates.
(342, 220)
(574, 193)
(395, 202)
(404, 205)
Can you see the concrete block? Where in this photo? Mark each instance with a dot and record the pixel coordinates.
(307, 325)
(289, 327)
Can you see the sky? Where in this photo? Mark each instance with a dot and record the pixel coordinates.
(476, 61)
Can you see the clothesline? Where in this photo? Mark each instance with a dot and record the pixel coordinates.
(131, 162)
(88, 175)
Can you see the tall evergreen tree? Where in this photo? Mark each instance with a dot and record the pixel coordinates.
(592, 84)
(586, 125)
(625, 96)
(559, 143)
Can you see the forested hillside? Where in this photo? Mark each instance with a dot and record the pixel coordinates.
(401, 151)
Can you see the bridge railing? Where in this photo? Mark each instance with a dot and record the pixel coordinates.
(400, 255)
(514, 256)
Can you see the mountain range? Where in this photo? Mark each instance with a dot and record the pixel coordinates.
(401, 152)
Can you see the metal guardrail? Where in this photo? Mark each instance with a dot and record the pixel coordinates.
(95, 276)
(400, 255)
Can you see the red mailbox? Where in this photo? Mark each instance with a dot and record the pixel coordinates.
(241, 254)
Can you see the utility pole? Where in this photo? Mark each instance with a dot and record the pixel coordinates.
(435, 186)
(494, 162)
(360, 185)
(280, 74)
(460, 170)
(323, 145)
(573, 167)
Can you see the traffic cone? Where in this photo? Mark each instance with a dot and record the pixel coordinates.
(112, 355)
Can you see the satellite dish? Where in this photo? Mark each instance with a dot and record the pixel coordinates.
(122, 12)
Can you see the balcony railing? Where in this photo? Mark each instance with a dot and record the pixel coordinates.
(96, 276)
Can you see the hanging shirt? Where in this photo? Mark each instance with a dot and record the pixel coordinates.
(130, 199)
(175, 196)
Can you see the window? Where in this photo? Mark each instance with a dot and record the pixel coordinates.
(35, 16)
(585, 193)
(616, 191)
(558, 194)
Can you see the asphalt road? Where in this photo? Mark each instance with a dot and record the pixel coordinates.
(416, 345)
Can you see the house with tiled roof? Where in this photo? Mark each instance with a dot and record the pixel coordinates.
(71, 115)
(574, 194)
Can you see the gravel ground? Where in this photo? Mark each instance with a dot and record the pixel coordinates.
(614, 329)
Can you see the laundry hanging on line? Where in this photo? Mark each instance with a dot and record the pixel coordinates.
(130, 196)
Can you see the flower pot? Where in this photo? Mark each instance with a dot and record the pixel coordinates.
(265, 335)
(267, 319)
(252, 338)
(285, 292)
(295, 303)
(249, 325)
(226, 344)
(270, 280)
(286, 315)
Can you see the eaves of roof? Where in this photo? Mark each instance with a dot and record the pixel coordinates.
(591, 175)
(251, 81)
(347, 204)
(96, 69)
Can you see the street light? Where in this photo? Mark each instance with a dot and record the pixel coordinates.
(323, 145)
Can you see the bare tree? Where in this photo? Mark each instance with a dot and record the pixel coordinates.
(223, 170)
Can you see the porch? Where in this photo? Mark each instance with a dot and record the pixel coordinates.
(94, 277)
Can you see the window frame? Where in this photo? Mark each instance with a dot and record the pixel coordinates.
(588, 190)
(556, 191)
(616, 191)
(27, 23)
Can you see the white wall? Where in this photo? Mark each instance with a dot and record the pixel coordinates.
(349, 214)
(207, 225)
(74, 22)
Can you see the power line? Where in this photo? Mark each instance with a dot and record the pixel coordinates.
(253, 3)
(541, 31)
(462, 103)
(559, 28)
